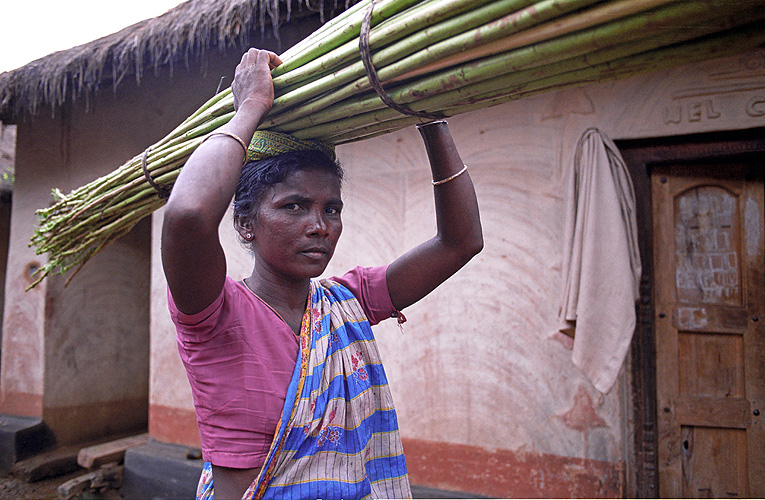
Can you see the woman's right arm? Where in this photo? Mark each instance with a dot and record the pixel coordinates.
(192, 256)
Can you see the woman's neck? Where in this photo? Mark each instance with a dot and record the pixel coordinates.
(279, 295)
(288, 299)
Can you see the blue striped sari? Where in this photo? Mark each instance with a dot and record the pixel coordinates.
(338, 435)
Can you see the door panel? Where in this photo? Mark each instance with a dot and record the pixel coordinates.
(714, 462)
(709, 270)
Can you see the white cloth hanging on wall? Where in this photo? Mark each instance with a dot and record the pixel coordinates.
(601, 261)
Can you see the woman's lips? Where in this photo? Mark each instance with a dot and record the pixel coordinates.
(315, 253)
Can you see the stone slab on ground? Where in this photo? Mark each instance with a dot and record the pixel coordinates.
(20, 438)
(161, 471)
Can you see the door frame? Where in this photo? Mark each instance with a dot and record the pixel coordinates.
(641, 156)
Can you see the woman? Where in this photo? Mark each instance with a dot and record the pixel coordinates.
(290, 395)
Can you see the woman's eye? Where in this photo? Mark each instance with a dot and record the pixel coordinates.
(294, 207)
(333, 211)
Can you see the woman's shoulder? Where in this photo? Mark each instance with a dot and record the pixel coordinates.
(234, 299)
(369, 286)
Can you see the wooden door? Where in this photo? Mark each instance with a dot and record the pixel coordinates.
(709, 275)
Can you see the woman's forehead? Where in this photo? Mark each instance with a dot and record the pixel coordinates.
(311, 183)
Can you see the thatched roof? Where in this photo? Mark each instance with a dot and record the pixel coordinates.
(183, 35)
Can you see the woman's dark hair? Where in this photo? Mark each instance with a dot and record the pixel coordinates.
(258, 176)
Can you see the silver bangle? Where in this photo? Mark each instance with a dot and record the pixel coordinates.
(420, 125)
(451, 177)
(228, 134)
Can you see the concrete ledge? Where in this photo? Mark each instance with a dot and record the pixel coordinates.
(160, 471)
(20, 438)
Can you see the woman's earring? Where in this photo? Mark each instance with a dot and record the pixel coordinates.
(248, 236)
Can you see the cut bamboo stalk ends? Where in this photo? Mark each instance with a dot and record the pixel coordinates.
(436, 56)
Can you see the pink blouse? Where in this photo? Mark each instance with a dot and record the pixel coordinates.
(239, 357)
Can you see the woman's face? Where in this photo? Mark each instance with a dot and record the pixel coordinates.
(297, 225)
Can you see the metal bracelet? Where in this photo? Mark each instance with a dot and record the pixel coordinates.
(451, 177)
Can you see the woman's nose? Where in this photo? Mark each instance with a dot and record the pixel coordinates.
(318, 224)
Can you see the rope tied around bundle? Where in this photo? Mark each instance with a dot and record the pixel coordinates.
(374, 80)
(162, 191)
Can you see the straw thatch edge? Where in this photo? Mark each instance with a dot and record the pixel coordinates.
(183, 35)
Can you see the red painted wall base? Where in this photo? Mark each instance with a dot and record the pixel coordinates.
(171, 425)
(457, 467)
(509, 474)
(21, 403)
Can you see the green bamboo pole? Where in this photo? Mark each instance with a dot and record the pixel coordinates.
(429, 93)
(555, 50)
(389, 54)
(424, 34)
(662, 59)
(125, 177)
(513, 22)
(116, 202)
(415, 18)
(213, 107)
(751, 37)
(99, 214)
(581, 41)
(347, 20)
(135, 171)
(346, 30)
(597, 15)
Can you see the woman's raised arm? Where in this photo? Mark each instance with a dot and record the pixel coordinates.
(458, 237)
(192, 256)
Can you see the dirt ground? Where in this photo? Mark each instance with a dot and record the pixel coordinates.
(12, 488)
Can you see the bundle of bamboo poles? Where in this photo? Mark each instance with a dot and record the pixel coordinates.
(437, 56)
